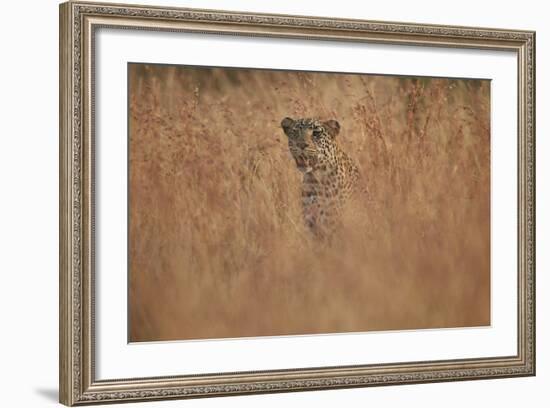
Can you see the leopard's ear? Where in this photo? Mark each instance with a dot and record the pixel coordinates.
(332, 127)
(286, 124)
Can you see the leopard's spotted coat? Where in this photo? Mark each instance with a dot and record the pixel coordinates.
(330, 176)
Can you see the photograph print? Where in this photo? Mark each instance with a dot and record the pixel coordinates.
(275, 202)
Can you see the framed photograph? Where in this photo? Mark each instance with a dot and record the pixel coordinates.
(256, 203)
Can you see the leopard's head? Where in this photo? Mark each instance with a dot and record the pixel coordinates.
(311, 142)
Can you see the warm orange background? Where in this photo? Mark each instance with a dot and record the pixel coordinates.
(217, 246)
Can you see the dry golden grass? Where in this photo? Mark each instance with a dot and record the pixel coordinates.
(217, 243)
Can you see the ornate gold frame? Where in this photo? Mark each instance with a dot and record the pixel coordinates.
(78, 22)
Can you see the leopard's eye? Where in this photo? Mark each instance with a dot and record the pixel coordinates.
(317, 132)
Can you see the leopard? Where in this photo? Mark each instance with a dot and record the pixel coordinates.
(330, 177)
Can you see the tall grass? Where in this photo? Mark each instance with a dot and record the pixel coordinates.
(217, 243)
